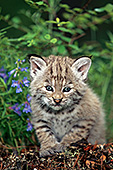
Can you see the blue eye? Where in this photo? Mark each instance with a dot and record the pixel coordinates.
(66, 89)
(49, 88)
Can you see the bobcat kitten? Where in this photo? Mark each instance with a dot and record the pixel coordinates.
(64, 108)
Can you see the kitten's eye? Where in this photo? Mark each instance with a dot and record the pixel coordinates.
(49, 88)
(66, 89)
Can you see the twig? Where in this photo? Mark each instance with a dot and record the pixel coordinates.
(6, 147)
(75, 38)
(87, 3)
(76, 161)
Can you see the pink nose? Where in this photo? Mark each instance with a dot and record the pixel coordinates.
(57, 100)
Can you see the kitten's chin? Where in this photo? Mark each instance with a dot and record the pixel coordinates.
(57, 107)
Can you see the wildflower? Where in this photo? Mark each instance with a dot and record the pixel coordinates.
(24, 69)
(16, 109)
(11, 72)
(14, 83)
(2, 69)
(17, 84)
(29, 125)
(3, 74)
(23, 60)
(15, 74)
(29, 98)
(27, 108)
(26, 82)
(18, 89)
(20, 61)
(18, 68)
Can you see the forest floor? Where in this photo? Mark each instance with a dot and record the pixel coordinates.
(79, 156)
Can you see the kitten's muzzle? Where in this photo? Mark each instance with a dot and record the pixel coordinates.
(57, 101)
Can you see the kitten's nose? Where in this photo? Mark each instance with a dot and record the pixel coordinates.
(57, 101)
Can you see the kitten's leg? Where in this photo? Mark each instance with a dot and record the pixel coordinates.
(79, 131)
(97, 133)
(47, 140)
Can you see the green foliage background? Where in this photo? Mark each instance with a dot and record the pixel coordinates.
(38, 28)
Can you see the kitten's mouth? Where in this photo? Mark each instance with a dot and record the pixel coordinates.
(56, 106)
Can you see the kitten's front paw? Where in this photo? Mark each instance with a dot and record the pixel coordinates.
(51, 151)
(60, 148)
(47, 152)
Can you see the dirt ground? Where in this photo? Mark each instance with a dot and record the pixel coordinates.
(79, 156)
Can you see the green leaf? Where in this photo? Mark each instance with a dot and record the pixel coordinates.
(99, 9)
(2, 33)
(110, 34)
(109, 7)
(64, 6)
(78, 9)
(29, 1)
(6, 116)
(109, 45)
(54, 22)
(3, 82)
(65, 38)
(54, 40)
(64, 22)
(40, 3)
(92, 12)
(86, 15)
(61, 49)
(47, 37)
(6, 93)
(7, 17)
(80, 31)
(65, 30)
(16, 20)
(74, 46)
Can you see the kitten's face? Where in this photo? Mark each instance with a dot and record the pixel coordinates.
(59, 94)
(58, 82)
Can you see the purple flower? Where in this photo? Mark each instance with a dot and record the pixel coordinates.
(29, 125)
(15, 74)
(3, 74)
(2, 69)
(14, 83)
(20, 61)
(18, 68)
(24, 69)
(23, 60)
(16, 109)
(27, 108)
(18, 89)
(26, 82)
(11, 72)
(29, 98)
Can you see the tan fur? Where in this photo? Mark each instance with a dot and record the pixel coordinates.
(61, 118)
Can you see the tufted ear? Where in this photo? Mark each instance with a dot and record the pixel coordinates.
(37, 65)
(81, 67)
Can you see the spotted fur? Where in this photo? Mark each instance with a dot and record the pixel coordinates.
(64, 108)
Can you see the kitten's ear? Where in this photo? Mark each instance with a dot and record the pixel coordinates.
(81, 67)
(37, 65)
